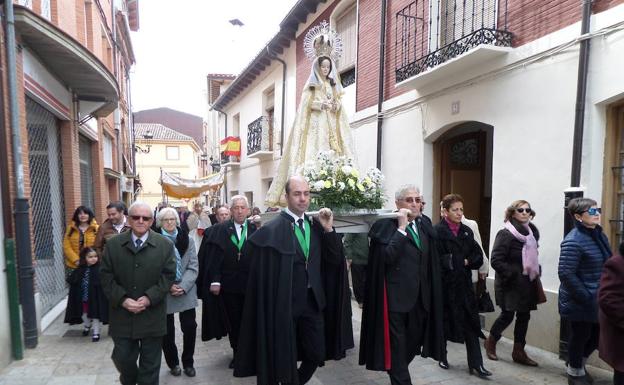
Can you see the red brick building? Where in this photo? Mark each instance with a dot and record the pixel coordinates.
(72, 71)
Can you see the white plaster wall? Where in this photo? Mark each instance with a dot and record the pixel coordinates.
(252, 173)
(532, 111)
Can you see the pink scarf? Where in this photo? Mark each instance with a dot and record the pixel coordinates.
(453, 226)
(530, 263)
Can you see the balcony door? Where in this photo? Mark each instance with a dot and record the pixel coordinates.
(459, 18)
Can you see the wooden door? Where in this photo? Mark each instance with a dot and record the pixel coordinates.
(463, 172)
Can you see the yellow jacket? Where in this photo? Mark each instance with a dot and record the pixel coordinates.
(71, 242)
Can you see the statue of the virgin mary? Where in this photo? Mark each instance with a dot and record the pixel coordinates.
(321, 124)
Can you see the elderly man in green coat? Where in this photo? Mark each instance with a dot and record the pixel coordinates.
(138, 268)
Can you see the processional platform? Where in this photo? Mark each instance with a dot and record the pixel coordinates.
(356, 221)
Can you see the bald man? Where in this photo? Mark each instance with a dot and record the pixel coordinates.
(297, 295)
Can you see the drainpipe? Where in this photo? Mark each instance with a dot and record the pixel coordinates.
(17, 349)
(382, 62)
(577, 152)
(22, 225)
(225, 136)
(581, 93)
(274, 56)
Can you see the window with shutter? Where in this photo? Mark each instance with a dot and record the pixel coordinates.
(346, 29)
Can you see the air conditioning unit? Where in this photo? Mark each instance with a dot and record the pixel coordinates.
(127, 184)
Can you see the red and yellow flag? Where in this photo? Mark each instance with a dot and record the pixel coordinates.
(231, 146)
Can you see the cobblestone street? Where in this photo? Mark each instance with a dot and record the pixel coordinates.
(64, 357)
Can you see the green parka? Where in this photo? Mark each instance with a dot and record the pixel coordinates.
(130, 273)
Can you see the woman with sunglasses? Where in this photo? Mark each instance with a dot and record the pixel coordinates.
(515, 260)
(583, 253)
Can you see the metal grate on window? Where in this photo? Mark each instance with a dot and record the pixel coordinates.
(47, 203)
(86, 173)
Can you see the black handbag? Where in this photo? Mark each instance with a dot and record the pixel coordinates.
(484, 301)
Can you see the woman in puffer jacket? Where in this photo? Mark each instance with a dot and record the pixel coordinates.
(80, 233)
(583, 253)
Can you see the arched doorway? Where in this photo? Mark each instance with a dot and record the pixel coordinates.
(463, 165)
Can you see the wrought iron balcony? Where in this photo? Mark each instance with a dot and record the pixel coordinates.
(431, 32)
(230, 160)
(260, 138)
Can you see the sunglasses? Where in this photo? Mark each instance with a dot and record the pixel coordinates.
(594, 211)
(137, 217)
(522, 209)
(412, 200)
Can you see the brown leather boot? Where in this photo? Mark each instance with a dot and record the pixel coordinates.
(490, 348)
(520, 356)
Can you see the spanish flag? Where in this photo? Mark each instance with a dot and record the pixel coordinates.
(231, 146)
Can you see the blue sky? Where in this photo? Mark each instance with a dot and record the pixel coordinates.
(179, 42)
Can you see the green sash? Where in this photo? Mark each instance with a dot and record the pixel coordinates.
(240, 242)
(414, 235)
(304, 241)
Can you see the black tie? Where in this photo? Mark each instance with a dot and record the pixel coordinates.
(300, 222)
(138, 243)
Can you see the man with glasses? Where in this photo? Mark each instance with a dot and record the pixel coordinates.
(222, 254)
(403, 303)
(138, 268)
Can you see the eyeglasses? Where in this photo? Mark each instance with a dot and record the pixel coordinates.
(412, 200)
(137, 217)
(522, 209)
(167, 219)
(594, 211)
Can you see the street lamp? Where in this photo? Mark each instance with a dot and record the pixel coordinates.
(147, 136)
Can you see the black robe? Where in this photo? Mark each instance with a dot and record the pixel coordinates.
(267, 338)
(375, 331)
(215, 323)
(460, 301)
(98, 304)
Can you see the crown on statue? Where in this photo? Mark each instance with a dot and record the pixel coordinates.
(322, 41)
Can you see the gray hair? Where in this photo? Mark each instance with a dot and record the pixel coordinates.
(580, 205)
(162, 213)
(239, 198)
(138, 204)
(403, 190)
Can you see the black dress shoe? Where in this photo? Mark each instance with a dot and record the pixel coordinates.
(231, 365)
(481, 371)
(95, 338)
(176, 371)
(190, 371)
(85, 330)
(443, 364)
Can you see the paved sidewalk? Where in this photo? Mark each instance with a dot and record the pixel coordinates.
(64, 357)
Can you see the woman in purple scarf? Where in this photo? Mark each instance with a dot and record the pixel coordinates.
(517, 288)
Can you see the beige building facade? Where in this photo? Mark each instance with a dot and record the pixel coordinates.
(161, 149)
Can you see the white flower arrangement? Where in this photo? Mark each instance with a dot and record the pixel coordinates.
(336, 183)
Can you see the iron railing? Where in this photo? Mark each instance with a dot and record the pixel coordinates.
(431, 32)
(229, 159)
(260, 135)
